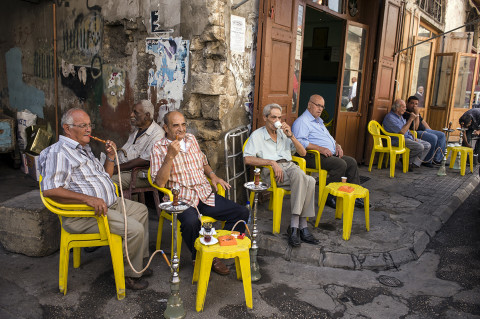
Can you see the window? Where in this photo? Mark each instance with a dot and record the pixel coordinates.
(433, 8)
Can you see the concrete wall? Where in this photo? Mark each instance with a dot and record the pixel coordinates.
(108, 57)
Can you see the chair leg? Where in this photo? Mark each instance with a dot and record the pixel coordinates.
(463, 163)
(372, 158)
(367, 210)
(406, 160)
(76, 256)
(321, 206)
(63, 259)
(116, 252)
(348, 206)
(393, 160)
(470, 153)
(453, 158)
(322, 182)
(141, 196)
(380, 160)
(277, 209)
(339, 209)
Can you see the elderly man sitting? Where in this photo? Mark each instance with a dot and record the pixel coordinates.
(273, 147)
(395, 123)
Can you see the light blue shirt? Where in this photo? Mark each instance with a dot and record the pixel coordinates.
(393, 123)
(261, 145)
(69, 165)
(309, 130)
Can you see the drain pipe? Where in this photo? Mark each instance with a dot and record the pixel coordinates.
(55, 69)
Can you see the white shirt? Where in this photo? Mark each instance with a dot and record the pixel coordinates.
(142, 147)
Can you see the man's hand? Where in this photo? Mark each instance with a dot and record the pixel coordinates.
(339, 151)
(278, 172)
(325, 151)
(286, 129)
(110, 148)
(477, 132)
(98, 204)
(173, 149)
(217, 180)
(416, 110)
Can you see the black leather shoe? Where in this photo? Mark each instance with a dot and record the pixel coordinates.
(135, 283)
(331, 202)
(307, 237)
(147, 273)
(430, 165)
(293, 239)
(359, 203)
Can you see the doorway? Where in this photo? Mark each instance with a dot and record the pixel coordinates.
(322, 48)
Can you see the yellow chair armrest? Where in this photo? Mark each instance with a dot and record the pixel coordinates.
(220, 189)
(318, 158)
(414, 133)
(401, 137)
(164, 190)
(302, 163)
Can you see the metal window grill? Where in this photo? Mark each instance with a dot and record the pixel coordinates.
(234, 164)
(432, 7)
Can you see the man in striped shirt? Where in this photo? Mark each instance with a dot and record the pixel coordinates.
(72, 175)
(178, 162)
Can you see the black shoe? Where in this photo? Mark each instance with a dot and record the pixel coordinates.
(307, 237)
(135, 283)
(412, 166)
(293, 238)
(331, 202)
(91, 249)
(359, 203)
(427, 165)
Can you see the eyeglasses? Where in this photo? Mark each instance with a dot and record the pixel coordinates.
(318, 105)
(83, 125)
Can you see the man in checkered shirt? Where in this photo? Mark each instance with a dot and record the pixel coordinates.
(178, 162)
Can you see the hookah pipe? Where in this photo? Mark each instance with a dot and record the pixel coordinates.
(125, 216)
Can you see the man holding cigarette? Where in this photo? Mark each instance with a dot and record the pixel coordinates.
(273, 145)
(436, 139)
(178, 162)
(136, 152)
(72, 175)
(395, 123)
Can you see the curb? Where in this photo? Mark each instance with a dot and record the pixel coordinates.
(276, 245)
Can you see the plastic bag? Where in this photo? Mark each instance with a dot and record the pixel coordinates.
(25, 119)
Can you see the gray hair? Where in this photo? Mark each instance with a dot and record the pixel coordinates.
(396, 104)
(147, 107)
(268, 108)
(67, 117)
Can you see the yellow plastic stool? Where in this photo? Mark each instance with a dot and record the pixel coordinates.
(464, 152)
(203, 266)
(345, 205)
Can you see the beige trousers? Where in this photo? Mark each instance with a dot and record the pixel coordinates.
(137, 235)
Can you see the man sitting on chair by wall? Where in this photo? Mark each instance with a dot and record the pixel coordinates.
(313, 135)
(136, 151)
(72, 175)
(178, 162)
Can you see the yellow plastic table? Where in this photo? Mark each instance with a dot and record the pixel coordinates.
(345, 205)
(203, 265)
(464, 152)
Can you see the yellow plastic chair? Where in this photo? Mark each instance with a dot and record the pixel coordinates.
(203, 266)
(464, 152)
(276, 199)
(77, 241)
(322, 174)
(346, 205)
(379, 134)
(165, 215)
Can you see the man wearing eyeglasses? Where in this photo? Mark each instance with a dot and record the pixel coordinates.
(313, 135)
(136, 151)
(72, 175)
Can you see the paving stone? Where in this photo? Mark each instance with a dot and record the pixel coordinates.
(420, 242)
(402, 256)
(336, 260)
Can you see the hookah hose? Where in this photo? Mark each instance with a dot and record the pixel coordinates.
(124, 211)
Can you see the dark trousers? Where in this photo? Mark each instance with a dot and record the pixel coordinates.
(224, 210)
(469, 135)
(336, 167)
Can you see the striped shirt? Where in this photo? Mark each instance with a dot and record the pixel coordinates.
(69, 165)
(187, 172)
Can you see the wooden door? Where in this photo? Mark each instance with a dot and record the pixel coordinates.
(349, 105)
(274, 78)
(382, 93)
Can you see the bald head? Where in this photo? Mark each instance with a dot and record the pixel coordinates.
(316, 105)
(174, 125)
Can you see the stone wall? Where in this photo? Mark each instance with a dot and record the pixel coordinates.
(111, 53)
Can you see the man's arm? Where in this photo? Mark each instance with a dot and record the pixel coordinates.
(406, 127)
(256, 161)
(215, 179)
(128, 166)
(109, 165)
(65, 196)
(298, 146)
(426, 125)
(323, 150)
(164, 171)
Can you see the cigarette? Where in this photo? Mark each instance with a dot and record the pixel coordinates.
(178, 137)
(98, 139)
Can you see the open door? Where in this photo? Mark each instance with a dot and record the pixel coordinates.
(350, 106)
(382, 92)
(274, 79)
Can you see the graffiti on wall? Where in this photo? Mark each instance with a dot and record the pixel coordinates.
(113, 85)
(81, 67)
(43, 64)
(21, 95)
(170, 73)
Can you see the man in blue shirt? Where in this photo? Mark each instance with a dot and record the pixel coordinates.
(395, 123)
(313, 135)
